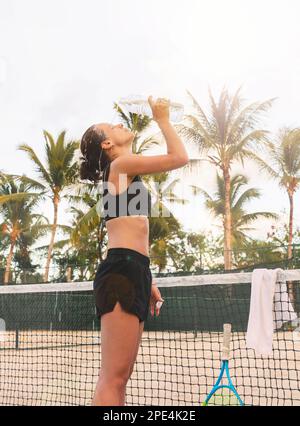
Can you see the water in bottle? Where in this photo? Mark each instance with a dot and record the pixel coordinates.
(137, 104)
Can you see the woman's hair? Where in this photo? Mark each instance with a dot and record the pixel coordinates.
(94, 159)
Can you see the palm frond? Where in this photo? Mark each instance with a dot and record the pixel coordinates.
(32, 155)
(199, 191)
(146, 145)
(20, 196)
(32, 183)
(201, 114)
(49, 139)
(88, 221)
(251, 217)
(263, 166)
(247, 196)
(196, 134)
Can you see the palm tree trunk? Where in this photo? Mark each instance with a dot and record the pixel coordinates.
(227, 222)
(291, 225)
(54, 227)
(9, 260)
(290, 285)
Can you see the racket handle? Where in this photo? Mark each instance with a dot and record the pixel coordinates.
(226, 342)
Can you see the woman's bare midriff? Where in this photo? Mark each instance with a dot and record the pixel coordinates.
(129, 232)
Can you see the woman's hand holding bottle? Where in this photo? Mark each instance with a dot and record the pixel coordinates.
(160, 109)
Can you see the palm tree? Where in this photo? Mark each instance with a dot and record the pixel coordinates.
(88, 243)
(284, 167)
(86, 208)
(85, 236)
(18, 218)
(240, 219)
(19, 196)
(58, 174)
(162, 224)
(81, 246)
(228, 133)
(162, 230)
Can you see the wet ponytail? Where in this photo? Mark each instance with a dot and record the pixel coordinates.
(94, 159)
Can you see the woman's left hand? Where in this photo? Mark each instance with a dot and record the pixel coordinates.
(155, 300)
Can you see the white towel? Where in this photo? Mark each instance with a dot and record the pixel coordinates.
(262, 321)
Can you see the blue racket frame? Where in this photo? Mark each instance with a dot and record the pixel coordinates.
(217, 386)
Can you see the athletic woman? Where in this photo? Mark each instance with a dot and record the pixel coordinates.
(123, 286)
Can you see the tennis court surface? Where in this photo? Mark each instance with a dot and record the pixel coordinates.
(50, 350)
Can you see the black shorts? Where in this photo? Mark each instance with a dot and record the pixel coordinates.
(124, 276)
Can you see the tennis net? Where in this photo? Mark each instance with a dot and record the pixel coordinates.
(50, 344)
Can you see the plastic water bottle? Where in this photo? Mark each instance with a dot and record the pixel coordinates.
(137, 104)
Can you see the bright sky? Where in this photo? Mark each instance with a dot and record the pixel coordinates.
(63, 63)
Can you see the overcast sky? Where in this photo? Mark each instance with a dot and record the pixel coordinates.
(64, 62)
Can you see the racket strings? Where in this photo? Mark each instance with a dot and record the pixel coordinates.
(223, 397)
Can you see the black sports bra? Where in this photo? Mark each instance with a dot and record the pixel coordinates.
(136, 200)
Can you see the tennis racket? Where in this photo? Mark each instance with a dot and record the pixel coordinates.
(224, 394)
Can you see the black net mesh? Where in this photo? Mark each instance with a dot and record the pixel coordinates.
(50, 346)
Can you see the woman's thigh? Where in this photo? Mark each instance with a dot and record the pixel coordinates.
(120, 336)
(141, 329)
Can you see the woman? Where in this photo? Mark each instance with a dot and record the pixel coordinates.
(123, 284)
